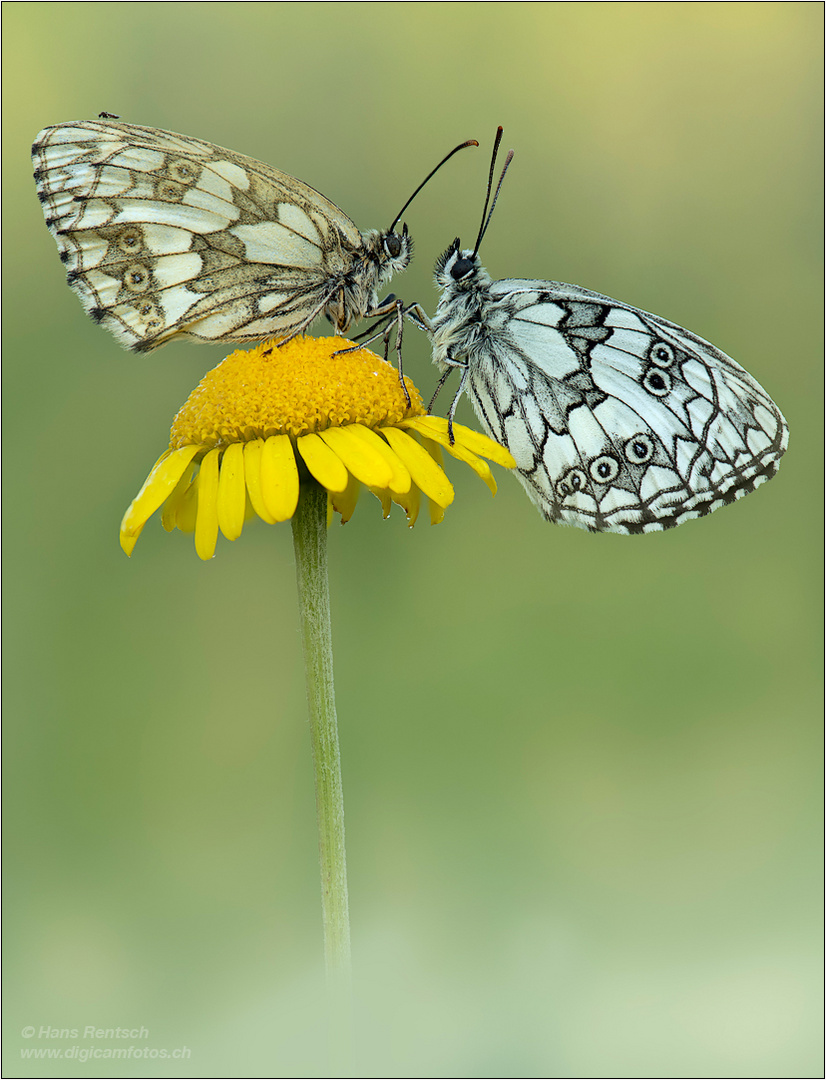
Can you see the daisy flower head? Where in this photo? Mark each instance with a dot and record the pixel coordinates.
(311, 411)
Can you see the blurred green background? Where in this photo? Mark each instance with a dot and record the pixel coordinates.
(581, 772)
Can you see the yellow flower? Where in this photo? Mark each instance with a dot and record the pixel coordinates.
(265, 421)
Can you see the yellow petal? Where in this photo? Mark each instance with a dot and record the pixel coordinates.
(344, 502)
(435, 452)
(128, 542)
(400, 480)
(410, 502)
(436, 512)
(187, 509)
(279, 477)
(435, 427)
(461, 453)
(160, 483)
(169, 514)
(206, 523)
(252, 478)
(232, 496)
(384, 497)
(363, 461)
(326, 466)
(424, 470)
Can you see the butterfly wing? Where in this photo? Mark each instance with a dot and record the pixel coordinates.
(164, 236)
(619, 420)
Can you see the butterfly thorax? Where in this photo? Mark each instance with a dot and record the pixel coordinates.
(465, 317)
(383, 253)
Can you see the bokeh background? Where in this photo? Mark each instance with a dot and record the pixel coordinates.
(581, 772)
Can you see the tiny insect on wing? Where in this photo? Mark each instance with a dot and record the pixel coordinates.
(166, 237)
(619, 420)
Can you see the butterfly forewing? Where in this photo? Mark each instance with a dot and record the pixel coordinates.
(167, 236)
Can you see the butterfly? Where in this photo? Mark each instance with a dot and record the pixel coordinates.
(619, 421)
(165, 237)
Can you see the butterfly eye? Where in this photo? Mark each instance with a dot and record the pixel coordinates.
(461, 268)
(392, 245)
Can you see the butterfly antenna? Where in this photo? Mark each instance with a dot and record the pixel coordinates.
(430, 175)
(496, 143)
(488, 214)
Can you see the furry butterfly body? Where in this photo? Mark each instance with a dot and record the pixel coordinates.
(619, 421)
(164, 236)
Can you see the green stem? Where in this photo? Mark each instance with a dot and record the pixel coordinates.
(310, 542)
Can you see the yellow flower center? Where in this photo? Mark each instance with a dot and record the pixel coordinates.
(294, 389)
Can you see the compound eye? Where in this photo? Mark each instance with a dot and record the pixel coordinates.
(461, 268)
(392, 245)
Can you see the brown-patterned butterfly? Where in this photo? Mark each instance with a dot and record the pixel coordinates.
(164, 236)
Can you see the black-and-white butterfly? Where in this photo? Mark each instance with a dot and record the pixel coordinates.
(164, 236)
(619, 421)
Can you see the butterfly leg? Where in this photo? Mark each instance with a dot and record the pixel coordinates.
(419, 318)
(415, 312)
(455, 402)
(439, 386)
(391, 311)
(370, 334)
(461, 389)
(386, 338)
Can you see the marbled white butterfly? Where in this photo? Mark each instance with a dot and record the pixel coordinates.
(164, 236)
(619, 421)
